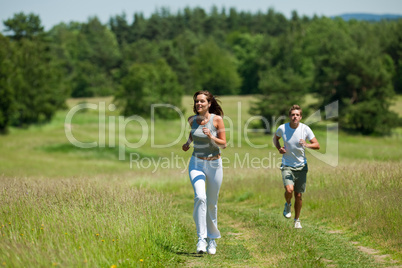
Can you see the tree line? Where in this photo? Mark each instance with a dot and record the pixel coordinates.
(160, 58)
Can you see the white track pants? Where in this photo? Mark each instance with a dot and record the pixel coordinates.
(206, 178)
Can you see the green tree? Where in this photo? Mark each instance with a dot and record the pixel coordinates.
(391, 36)
(90, 80)
(178, 62)
(233, 20)
(102, 49)
(246, 48)
(272, 23)
(36, 83)
(215, 24)
(6, 91)
(215, 69)
(142, 51)
(24, 26)
(148, 84)
(286, 76)
(138, 27)
(351, 69)
(121, 29)
(178, 54)
(90, 56)
(195, 19)
(155, 28)
(32, 81)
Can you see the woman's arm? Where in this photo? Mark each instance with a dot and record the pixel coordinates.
(220, 127)
(186, 146)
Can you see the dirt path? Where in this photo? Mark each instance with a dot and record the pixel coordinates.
(254, 237)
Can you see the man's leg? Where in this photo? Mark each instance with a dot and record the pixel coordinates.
(287, 178)
(288, 193)
(299, 189)
(298, 204)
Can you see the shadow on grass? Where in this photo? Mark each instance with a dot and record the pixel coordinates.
(191, 254)
(108, 153)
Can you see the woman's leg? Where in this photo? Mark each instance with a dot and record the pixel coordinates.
(197, 178)
(214, 174)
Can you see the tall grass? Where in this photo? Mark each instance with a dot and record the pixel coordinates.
(85, 222)
(361, 199)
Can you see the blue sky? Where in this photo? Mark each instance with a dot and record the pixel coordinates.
(53, 12)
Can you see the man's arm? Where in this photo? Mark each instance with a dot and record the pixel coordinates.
(275, 140)
(312, 145)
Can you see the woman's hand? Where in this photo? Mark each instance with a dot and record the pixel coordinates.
(206, 131)
(185, 147)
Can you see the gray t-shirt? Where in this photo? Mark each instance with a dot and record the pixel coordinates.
(204, 146)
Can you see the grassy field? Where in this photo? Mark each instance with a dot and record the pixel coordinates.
(66, 206)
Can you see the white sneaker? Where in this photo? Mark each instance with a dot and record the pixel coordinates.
(286, 211)
(298, 224)
(202, 246)
(212, 247)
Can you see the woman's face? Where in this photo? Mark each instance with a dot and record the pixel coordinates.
(201, 104)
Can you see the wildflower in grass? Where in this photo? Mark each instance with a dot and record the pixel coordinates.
(22, 234)
(103, 240)
(141, 260)
(113, 266)
(97, 234)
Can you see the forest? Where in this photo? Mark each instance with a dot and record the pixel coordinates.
(166, 56)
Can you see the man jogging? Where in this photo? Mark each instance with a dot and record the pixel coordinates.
(294, 163)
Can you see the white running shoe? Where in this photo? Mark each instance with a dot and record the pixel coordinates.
(298, 224)
(286, 211)
(202, 246)
(212, 247)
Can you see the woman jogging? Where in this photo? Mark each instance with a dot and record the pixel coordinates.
(205, 167)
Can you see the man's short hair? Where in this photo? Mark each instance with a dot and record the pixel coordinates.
(295, 107)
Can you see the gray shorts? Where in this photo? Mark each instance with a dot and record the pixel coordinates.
(295, 176)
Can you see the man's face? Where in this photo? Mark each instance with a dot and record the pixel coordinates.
(295, 116)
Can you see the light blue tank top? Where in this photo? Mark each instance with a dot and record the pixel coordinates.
(203, 146)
